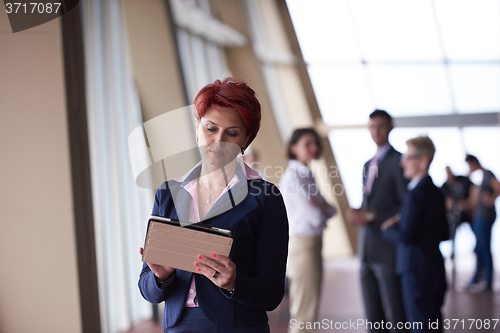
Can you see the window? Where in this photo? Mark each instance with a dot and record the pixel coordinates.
(412, 58)
(418, 58)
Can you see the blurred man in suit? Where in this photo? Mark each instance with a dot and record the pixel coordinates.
(384, 190)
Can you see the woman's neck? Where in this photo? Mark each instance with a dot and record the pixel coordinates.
(215, 180)
(302, 161)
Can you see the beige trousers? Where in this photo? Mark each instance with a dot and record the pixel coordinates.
(304, 271)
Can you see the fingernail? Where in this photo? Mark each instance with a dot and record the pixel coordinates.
(199, 270)
(214, 255)
(200, 257)
(196, 264)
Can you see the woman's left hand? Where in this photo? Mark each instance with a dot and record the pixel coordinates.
(219, 269)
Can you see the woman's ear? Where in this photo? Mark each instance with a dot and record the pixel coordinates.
(426, 161)
(246, 139)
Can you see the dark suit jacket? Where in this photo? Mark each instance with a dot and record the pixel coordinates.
(422, 227)
(387, 195)
(259, 228)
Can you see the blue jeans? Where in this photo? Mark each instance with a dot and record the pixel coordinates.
(484, 263)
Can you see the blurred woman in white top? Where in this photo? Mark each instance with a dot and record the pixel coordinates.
(307, 214)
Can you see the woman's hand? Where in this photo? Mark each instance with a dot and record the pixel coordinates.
(220, 270)
(390, 222)
(162, 273)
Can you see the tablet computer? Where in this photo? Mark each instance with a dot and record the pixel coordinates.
(175, 244)
(191, 225)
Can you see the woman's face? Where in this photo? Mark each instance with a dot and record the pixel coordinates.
(221, 134)
(412, 163)
(306, 148)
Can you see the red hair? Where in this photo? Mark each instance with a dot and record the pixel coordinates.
(233, 94)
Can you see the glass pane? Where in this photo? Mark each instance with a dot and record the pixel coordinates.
(397, 30)
(342, 93)
(185, 56)
(199, 62)
(470, 28)
(352, 148)
(410, 90)
(324, 29)
(476, 87)
(484, 143)
(217, 60)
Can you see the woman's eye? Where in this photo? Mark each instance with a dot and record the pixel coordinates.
(211, 129)
(232, 134)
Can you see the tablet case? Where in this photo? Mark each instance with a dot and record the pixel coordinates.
(169, 244)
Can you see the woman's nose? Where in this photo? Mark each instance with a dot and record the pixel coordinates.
(224, 136)
(219, 137)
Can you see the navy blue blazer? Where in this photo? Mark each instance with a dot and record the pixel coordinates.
(422, 227)
(259, 228)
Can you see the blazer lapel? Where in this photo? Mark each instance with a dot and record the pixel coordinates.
(182, 200)
(380, 166)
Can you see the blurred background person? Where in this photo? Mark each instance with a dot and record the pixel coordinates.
(307, 213)
(385, 189)
(483, 217)
(456, 192)
(417, 231)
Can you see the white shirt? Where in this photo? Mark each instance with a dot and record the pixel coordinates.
(297, 186)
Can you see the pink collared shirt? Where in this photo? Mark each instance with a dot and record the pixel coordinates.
(194, 213)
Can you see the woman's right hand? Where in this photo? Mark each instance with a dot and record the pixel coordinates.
(162, 273)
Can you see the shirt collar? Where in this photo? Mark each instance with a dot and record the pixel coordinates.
(414, 182)
(191, 187)
(189, 177)
(249, 172)
(382, 151)
(296, 164)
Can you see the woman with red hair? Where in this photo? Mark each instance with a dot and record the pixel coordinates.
(230, 294)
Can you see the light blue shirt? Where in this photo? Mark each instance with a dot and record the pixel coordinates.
(414, 182)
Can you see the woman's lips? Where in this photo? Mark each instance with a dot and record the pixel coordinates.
(216, 153)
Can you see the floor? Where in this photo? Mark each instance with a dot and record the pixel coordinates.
(342, 303)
